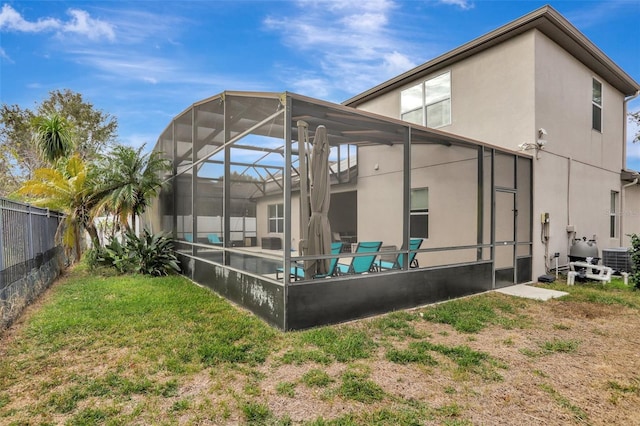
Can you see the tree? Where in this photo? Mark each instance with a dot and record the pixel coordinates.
(69, 188)
(634, 117)
(131, 180)
(53, 136)
(94, 130)
(20, 157)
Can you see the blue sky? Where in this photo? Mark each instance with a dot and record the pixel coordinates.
(146, 61)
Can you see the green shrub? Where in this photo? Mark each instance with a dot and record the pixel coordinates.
(152, 254)
(634, 277)
(117, 256)
(148, 254)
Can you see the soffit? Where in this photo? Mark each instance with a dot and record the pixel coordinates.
(546, 20)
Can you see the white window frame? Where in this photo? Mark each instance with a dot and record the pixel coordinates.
(595, 104)
(424, 105)
(613, 214)
(278, 218)
(419, 212)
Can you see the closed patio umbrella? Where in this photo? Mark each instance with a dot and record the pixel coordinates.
(319, 238)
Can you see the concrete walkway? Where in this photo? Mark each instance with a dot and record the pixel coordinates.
(522, 290)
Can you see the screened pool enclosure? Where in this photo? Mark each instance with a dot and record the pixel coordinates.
(416, 215)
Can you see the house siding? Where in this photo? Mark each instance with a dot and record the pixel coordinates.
(502, 96)
(579, 166)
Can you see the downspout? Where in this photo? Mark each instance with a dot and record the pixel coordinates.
(624, 162)
(570, 234)
(622, 203)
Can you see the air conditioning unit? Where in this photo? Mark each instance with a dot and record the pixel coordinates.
(618, 259)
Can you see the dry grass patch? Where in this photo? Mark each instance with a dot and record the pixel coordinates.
(133, 350)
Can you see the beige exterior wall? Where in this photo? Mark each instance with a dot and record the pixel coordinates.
(579, 166)
(502, 96)
(262, 215)
(492, 95)
(630, 214)
(450, 174)
(563, 108)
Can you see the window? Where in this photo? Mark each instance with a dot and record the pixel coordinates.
(596, 105)
(419, 215)
(428, 103)
(613, 215)
(411, 105)
(276, 218)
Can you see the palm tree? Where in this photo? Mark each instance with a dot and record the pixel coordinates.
(53, 136)
(68, 188)
(131, 179)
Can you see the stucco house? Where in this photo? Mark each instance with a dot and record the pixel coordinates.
(465, 173)
(536, 84)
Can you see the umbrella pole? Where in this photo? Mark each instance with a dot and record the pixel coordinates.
(303, 138)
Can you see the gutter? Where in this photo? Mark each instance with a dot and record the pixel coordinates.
(624, 163)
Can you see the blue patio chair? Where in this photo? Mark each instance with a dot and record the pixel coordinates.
(414, 244)
(214, 239)
(297, 272)
(361, 264)
(188, 237)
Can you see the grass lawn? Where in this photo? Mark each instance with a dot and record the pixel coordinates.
(136, 350)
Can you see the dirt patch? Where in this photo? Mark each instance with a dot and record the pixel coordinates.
(583, 310)
(534, 384)
(571, 363)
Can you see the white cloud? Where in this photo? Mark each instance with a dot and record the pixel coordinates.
(397, 63)
(122, 67)
(126, 65)
(82, 23)
(142, 26)
(312, 85)
(79, 23)
(591, 14)
(3, 55)
(462, 4)
(350, 45)
(13, 21)
(136, 140)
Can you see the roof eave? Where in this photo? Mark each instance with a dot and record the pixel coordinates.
(549, 22)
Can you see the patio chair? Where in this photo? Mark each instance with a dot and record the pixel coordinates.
(214, 239)
(414, 244)
(361, 264)
(297, 272)
(188, 237)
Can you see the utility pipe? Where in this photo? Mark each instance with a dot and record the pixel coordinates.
(624, 161)
(572, 235)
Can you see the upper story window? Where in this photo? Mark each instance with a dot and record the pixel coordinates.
(596, 105)
(428, 103)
